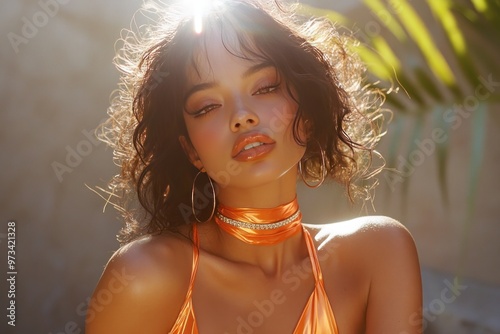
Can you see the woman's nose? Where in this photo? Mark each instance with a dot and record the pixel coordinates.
(243, 119)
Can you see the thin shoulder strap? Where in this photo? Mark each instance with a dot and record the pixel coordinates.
(318, 276)
(186, 315)
(196, 255)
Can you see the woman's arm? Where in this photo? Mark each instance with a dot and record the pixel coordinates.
(395, 296)
(141, 290)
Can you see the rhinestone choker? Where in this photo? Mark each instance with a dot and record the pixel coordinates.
(269, 226)
(260, 226)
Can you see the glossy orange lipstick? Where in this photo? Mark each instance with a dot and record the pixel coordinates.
(252, 146)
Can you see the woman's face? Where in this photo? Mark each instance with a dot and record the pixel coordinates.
(239, 119)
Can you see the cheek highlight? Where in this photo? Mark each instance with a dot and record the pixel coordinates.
(281, 117)
(211, 145)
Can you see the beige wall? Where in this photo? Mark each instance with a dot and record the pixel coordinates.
(443, 239)
(52, 91)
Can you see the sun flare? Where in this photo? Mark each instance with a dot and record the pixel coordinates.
(199, 8)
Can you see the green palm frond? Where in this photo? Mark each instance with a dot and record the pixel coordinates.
(432, 81)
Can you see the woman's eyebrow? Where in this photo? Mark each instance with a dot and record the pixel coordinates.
(256, 68)
(197, 88)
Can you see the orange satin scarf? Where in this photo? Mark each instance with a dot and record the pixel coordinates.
(263, 219)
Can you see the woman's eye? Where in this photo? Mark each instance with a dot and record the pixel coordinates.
(267, 89)
(205, 110)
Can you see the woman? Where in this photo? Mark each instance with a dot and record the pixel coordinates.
(218, 115)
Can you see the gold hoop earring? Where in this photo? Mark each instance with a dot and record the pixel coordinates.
(192, 198)
(324, 171)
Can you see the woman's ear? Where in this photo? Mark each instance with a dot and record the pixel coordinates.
(190, 152)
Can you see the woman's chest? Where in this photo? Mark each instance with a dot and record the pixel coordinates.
(347, 286)
(242, 301)
(247, 302)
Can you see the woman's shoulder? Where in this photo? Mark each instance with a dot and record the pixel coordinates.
(364, 229)
(144, 282)
(151, 253)
(366, 263)
(364, 239)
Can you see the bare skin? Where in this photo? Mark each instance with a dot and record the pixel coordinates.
(370, 269)
(370, 265)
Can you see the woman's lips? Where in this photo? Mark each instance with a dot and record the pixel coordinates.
(252, 146)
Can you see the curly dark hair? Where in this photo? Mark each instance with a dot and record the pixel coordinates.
(343, 116)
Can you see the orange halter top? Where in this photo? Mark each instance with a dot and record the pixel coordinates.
(317, 316)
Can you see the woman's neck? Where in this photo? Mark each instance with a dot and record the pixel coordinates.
(272, 260)
(273, 242)
(267, 195)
